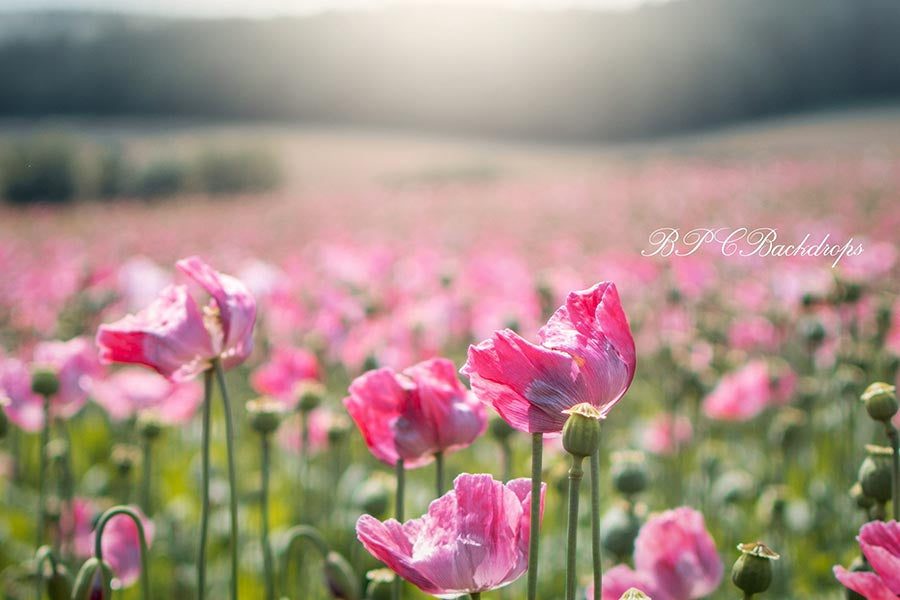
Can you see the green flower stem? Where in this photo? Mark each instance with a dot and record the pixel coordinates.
(506, 453)
(398, 509)
(232, 477)
(475, 595)
(98, 546)
(575, 475)
(67, 487)
(147, 474)
(43, 554)
(303, 464)
(294, 535)
(42, 472)
(204, 514)
(439, 468)
(537, 450)
(895, 446)
(595, 524)
(264, 510)
(747, 596)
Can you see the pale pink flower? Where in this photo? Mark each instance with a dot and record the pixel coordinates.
(132, 390)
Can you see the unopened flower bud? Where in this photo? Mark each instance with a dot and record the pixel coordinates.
(629, 471)
(881, 401)
(44, 382)
(875, 473)
(59, 584)
(752, 572)
(94, 581)
(340, 578)
(265, 414)
(311, 394)
(581, 433)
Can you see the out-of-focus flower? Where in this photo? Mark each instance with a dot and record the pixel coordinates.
(76, 523)
(473, 539)
(140, 280)
(286, 370)
(75, 365)
(751, 333)
(745, 393)
(122, 548)
(622, 578)
(586, 355)
(132, 390)
(880, 544)
(174, 338)
(415, 414)
(665, 433)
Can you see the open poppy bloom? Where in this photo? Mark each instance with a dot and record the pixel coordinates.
(415, 414)
(586, 354)
(173, 337)
(473, 539)
(880, 544)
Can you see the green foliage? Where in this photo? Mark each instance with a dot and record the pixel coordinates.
(40, 169)
(163, 177)
(221, 172)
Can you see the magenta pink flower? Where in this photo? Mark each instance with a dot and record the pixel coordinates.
(880, 544)
(586, 355)
(173, 337)
(288, 367)
(132, 390)
(77, 524)
(473, 539)
(416, 414)
(745, 393)
(122, 548)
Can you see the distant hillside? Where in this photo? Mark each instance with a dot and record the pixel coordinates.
(564, 75)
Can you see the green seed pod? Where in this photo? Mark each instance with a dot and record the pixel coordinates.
(149, 426)
(862, 501)
(875, 473)
(858, 565)
(373, 497)
(340, 578)
(629, 472)
(500, 429)
(635, 594)
(380, 584)
(881, 401)
(581, 433)
(265, 414)
(44, 382)
(311, 394)
(752, 572)
(59, 584)
(619, 528)
(94, 581)
(338, 429)
(124, 457)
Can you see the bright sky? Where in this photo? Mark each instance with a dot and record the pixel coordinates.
(266, 8)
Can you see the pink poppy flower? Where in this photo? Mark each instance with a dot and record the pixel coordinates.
(319, 422)
(586, 355)
(132, 390)
(743, 394)
(665, 433)
(473, 539)
(77, 525)
(122, 548)
(22, 406)
(880, 544)
(414, 414)
(174, 338)
(279, 378)
(680, 555)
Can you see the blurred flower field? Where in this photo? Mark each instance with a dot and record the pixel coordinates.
(745, 404)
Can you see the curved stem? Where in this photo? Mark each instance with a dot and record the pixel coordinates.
(398, 509)
(98, 546)
(595, 524)
(204, 511)
(895, 446)
(147, 475)
(42, 472)
(294, 535)
(264, 510)
(232, 477)
(537, 450)
(439, 468)
(41, 556)
(575, 475)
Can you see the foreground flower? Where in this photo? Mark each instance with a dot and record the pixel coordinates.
(586, 354)
(173, 337)
(131, 391)
(122, 548)
(675, 558)
(473, 539)
(880, 544)
(415, 414)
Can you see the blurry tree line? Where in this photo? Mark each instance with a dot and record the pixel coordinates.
(564, 74)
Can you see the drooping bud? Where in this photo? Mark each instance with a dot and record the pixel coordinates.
(881, 401)
(94, 581)
(581, 433)
(752, 572)
(310, 394)
(875, 473)
(635, 594)
(629, 471)
(44, 382)
(265, 414)
(59, 584)
(340, 578)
